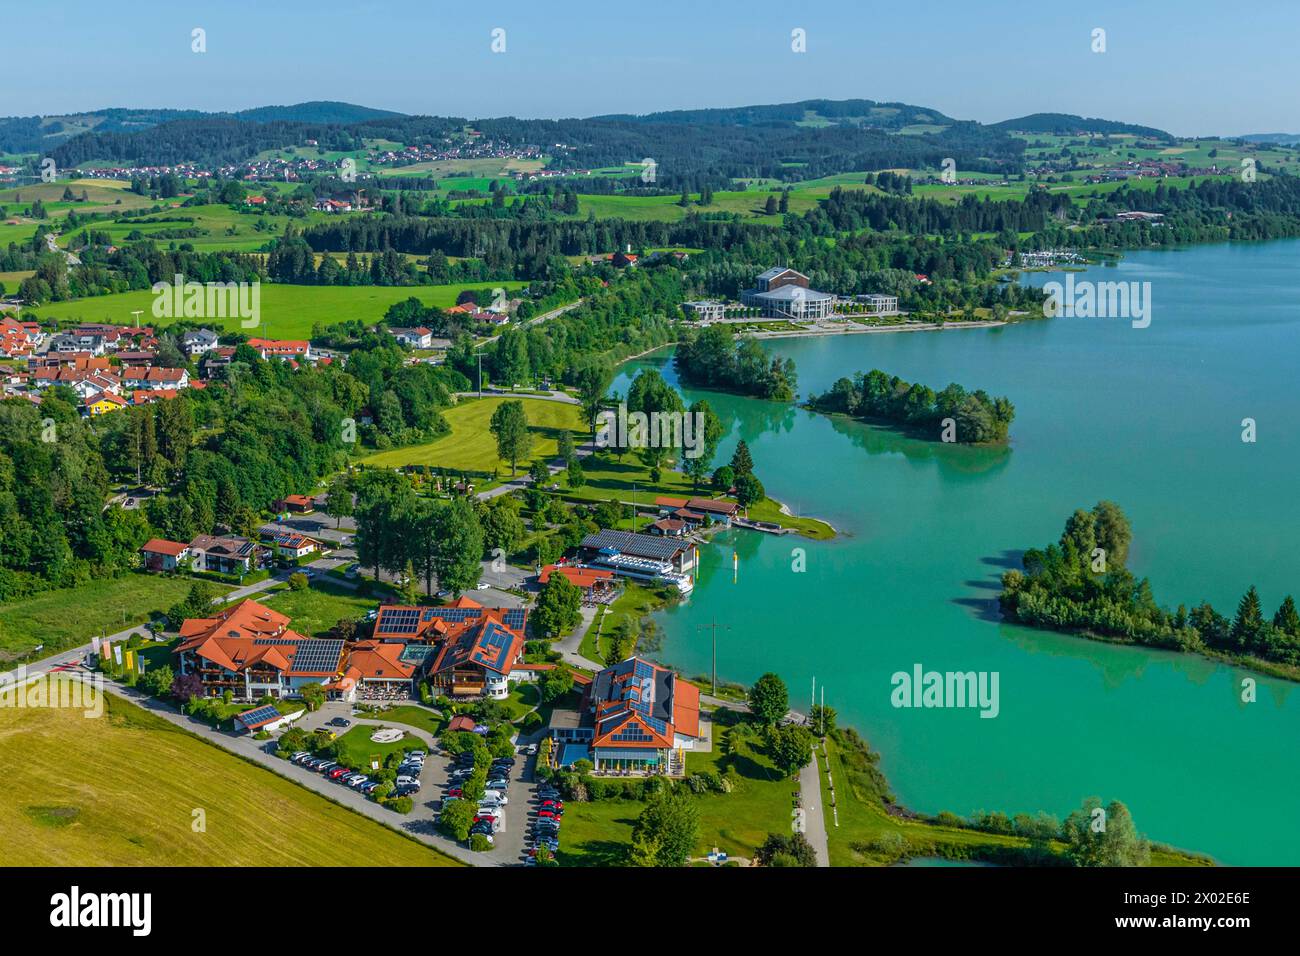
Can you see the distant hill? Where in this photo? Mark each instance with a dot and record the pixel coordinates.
(1062, 124)
(317, 111)
(860, 113)
(1282, 139)
(38, 134)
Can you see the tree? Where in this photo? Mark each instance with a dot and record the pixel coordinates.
(186, 686)
(1249, 619)
(198, 603)
(458, 552)
(665, 832)
(1109, 838)
(786, 850)
(1286, 619)
(503, 529)
(158, 681)
(769, 700)
(723, 479)
(576, 476)
(749, 490)
(1113, 532)
(510, 426)
(297, 581)
(555, 683)
(790, 747)
(456, 819)
(592, 380)
(741, 462)
(558, 607)
(708, 432)
(338, 503)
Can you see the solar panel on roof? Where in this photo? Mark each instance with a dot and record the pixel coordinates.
(258, 714)
(318, 655)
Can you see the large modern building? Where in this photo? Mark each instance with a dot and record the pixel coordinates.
(250, 651)
(782, 293)
(634, 717)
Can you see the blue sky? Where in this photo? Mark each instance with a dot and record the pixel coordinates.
(1192, 67)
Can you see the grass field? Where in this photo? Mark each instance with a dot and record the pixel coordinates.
(287, 311)
(469, 446)
(411, 716)
(317, 609)
(356, 749)
(221, 227)
(636, 602)
(122, 790)
(71, 616)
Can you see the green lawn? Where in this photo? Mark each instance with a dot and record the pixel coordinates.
(71, 616)
(286, 311)
(356, 749)
(636, 602)
(317, 609)
(598, 833)
(469, 446)
(155, 795)
(416, 717)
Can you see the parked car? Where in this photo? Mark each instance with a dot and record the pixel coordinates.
(340, 722)
(327, 766)
(493, 794)
(416, 755)
(530, 749)
(454, 793)
(339, 772)
(556, 805)
(406, 781)
(359, 781)
(405, 790)
(369, 787)
(300, 754)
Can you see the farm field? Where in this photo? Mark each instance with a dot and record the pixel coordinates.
(220, 227)
(121, 790)
(287, 311)
(71, 616)
(748, 203)
(469, 446)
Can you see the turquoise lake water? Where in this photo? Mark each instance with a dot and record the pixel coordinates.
(1150, 418)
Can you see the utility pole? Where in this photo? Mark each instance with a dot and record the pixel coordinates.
(714, 628)
(480, 374)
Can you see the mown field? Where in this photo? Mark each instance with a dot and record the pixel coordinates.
(469, 446)
(68, 617)
(122, 790)
(287, 311)
(314, 611)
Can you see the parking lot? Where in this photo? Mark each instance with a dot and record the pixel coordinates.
(514, 829)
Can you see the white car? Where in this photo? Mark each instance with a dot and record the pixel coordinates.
(493, 795)
(405, 781)
(494, 802)
(482, 586)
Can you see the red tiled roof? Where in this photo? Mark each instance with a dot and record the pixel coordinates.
(581, 577)
(163, 546)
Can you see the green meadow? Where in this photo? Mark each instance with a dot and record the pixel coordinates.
(287, 311)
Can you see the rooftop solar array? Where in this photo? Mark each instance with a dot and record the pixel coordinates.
(492, 648)
(275, 641)
(258, 715)
(453, 615)
(399, 621)
(637, 545)
(415, 653)
(318, 655)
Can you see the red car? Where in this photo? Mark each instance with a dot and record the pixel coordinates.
(547, 815)
(454, 792)
(340, 771)
(485, 818)
(557, 805)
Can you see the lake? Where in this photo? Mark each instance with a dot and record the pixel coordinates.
(1150, 418)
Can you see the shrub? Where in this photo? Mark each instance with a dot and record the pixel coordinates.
(401, 804)
(479, 843)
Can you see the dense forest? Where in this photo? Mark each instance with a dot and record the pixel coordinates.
(953, 414)
(1081, 584)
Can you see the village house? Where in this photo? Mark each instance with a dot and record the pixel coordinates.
(296, 504)
(225, 554)
(283, 349)
(417, 338)
(289, 545)
(197, 341)
(159, 554)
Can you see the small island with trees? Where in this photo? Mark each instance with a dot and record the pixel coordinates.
(952, 415)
